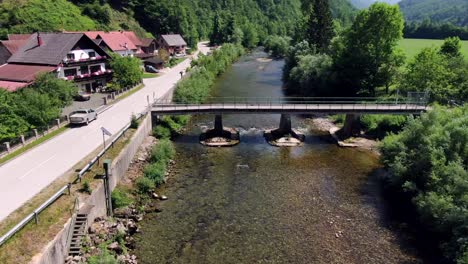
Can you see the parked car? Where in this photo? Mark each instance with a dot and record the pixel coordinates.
(149, 68)
(83, 96)
(180, 55)
(83, 116)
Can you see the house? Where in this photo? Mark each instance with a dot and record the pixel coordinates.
(149, 46)
(70, 56)
(174, 44)
(8, 48)
(116, 42)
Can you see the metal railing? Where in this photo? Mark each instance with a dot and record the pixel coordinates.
(35, 214)
(296, 103)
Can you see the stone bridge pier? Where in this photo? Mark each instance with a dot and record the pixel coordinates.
(351, 126)
(284, 136)
(220, 136)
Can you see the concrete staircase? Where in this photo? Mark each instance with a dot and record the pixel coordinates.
(77, 233)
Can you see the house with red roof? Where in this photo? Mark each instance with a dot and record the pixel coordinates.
(8, 48)
(70, 56)
(117, 42)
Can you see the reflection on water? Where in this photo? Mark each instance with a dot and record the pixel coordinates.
(255, 203)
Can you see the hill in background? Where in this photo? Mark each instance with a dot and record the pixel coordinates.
(366, 3)
(440, 11)
(191, 18)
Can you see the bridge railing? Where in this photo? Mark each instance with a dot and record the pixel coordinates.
(295, 100)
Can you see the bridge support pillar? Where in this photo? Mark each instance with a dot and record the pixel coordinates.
(284, 136)
(220, 136)
(218, 125)
(351, 126)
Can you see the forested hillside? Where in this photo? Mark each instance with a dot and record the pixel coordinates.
(453, 11)
(193, 18)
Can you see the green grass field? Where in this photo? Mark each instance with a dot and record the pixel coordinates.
(413, 46)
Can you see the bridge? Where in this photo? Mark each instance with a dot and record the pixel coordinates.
(352, 107)
(293, 105)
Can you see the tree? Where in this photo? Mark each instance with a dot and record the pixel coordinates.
(11, 125)
(311, 75)
(445, 77)
(127, 70)
(61, 91)
(451, 47)
(216, 37)
(37, 108)
(319, 23)
(369, 49)
(250, 36)
(277, 45)
(428, 163)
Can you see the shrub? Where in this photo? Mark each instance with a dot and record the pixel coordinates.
(163, 151)
(156, 172)
(104, 256)
(381, 125)
(86, 188)
(161, 131)
(144, 185)
(134, 122)
(120, 198)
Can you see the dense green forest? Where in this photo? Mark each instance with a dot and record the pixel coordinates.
(452, 11)
(254, 19)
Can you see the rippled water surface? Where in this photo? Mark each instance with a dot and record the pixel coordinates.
(255, 203)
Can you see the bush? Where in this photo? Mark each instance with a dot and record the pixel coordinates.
(144, 185)
(428, 164)
(381, 125)
(277, 45)
(120, 198)
(163, 151)
(134, 122)
(86, 188)
(156, 172)
(161, 131)
(103, 257)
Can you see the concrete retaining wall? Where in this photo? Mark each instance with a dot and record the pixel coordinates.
(55, 251)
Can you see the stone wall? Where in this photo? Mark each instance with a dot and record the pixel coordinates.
(55, 251)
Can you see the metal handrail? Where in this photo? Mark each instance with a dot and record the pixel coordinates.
(58, 194)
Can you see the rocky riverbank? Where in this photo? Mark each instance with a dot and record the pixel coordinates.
(325, 124)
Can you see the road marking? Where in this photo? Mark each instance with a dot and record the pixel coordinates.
(31, 170)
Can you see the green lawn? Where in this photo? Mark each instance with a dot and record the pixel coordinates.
(147, 75)
(413, 46)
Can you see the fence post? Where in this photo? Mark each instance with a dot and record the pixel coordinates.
(58, 122)
(7, 146)
(113, 95)
(67, 118)
(36, 218)
(69, 188)
(22, 140)
(105, 100)
(35, 133)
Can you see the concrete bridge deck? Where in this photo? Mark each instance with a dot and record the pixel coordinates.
(288, 108)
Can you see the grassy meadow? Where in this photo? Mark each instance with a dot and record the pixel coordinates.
(413, 46)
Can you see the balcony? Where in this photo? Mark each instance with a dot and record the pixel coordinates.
(89, 76)
(69, 62)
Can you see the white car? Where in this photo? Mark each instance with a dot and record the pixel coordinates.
(83, 116)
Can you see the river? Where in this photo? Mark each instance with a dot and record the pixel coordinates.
(255, 203)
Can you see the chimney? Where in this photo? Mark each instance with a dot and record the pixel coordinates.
(39, 39)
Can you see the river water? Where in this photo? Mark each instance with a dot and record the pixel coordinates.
(255, 203)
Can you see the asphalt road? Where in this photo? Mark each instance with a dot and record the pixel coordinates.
(22, 178)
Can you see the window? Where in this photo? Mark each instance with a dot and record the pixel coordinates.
(92, 54)
(70, 72)
(71, 56)
(95, 68)
(84, 70)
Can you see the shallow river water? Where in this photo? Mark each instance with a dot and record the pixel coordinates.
(255, 203)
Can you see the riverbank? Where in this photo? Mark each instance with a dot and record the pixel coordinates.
(326, 125)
